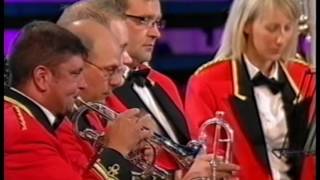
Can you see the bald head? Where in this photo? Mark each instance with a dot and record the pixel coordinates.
(101, 11)
(77, 28)
(71, 13)
(106, 47)
(93, 35)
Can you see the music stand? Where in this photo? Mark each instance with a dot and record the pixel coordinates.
(310, 145)
(308, 149)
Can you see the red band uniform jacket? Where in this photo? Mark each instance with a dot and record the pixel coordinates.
(31, 148)
(226, 86)
(104, 163)
(34, 149)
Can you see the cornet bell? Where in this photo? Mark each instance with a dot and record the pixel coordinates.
(92, 130)
(217, 137)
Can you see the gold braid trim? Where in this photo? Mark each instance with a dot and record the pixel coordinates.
(17, 103)
(17, 108)
(109, 174)
(209, 64)
(22, 122)
(97, 174)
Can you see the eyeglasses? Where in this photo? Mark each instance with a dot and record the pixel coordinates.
(106, 72)
(147, 21)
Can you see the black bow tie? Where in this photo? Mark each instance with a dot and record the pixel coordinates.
(274, 85)
(139, 77)
(57, 122)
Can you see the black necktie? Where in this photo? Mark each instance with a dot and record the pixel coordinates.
(139, 77)
(274, 85)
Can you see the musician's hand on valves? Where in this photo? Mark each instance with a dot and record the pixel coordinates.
(126, 131)
(203, 169)
(149, 123)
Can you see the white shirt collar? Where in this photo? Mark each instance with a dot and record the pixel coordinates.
(49, 115)
(253, 70)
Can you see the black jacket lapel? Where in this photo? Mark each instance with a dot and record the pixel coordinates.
(127, 96)
(172, 112)
(247, 109)
(296, 115)
(34, 109)
(131, 100)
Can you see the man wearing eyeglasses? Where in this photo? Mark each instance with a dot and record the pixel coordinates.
(105, 37)
(145, 87)
(97, 66)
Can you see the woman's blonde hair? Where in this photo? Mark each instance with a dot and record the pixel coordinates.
(233, 42)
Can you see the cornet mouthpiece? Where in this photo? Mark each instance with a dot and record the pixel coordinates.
(79, 99)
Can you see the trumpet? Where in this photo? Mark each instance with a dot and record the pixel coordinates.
(212, 134)
(206, 142)
(183, 154)
(215, 134)
(220, 125)
(95, 136)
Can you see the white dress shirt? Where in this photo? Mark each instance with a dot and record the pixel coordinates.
(146, 96)
(273, 119)
(48, 114)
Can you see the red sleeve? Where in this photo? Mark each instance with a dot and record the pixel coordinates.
(85, 158)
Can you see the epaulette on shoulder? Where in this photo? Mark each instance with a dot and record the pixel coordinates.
(18, 105)
(21, 120)
(17, 109)
(304, 63)
(209, 64)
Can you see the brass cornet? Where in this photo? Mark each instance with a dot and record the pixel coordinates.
(210, 140)
(95, 136)
(183, 154)
(216, 135)
(219, 128)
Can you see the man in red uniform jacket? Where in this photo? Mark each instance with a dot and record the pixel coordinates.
(225, 86)
(34, 104)
(100, 31)
(46, 78)
(146, 88)
(92, 30)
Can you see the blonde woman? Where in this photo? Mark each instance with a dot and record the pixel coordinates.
(254, 80)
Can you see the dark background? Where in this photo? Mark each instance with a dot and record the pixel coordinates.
(191, 37)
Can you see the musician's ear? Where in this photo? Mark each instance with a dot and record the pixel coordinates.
(41, 77)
